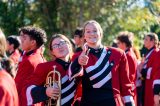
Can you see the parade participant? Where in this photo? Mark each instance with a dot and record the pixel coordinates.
(61, 49)
(104, 71)
(79, 39)
(32, 39)
(125, 43)
(148, 69)
(13, 52)
(156, 82)
(8, 91)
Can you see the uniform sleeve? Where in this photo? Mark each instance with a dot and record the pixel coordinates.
(75, 69)
(125, 83)
(156, 82)
(36, 94)
(2, 96)
(132, 63)
(34, 90)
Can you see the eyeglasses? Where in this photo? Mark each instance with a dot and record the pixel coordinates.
(55, 46)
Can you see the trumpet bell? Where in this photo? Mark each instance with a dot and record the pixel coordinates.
(53, 79)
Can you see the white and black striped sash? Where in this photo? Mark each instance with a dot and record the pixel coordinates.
(100, 73)
(68, 90)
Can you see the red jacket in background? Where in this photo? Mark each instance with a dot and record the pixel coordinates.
(149, 70)
(8, 91)
(15, 56)
(26, 67)
(132, 62)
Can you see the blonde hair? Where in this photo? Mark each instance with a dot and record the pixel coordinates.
(97, 25)
(3, 44)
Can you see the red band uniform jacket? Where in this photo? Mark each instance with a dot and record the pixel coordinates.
(156, 82)
(132, 62)
(36, 92)
(15, 56)
(148, 72)
(105, 79)
(26, 67)
(8, 91)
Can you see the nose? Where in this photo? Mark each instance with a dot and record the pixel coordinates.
(92, 33)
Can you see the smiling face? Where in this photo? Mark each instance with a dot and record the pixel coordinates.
(92, 34)
(60, 48)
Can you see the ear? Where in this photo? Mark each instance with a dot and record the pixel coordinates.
(34, 43)
(12, 45)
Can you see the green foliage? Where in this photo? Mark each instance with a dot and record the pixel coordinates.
(63, 16)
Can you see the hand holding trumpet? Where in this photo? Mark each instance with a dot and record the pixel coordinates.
(53, 92)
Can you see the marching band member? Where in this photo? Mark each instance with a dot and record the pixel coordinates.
(104, 71)
(156, 82)
(61, 49)
(124, 42)
(79, 39)
(13, 44)
(8, 91)
(32, 39)
(148, 68)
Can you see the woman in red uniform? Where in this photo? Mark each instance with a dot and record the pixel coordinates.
(104, 71)
(61, 49)
(148, 68)
(124, 42)
(156, 82)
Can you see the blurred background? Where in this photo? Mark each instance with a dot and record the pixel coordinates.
(63, 16)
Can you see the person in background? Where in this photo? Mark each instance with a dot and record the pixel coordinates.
(32, 38)
(114, 43)
(125, 43)
(148, 68)
(73, 44)
(13, 43)
(36, 91)
(156, 82)
(104, 71)
(79, 39)
(8, 91)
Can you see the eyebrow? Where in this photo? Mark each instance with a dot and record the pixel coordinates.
(93, 29)
(59, 42)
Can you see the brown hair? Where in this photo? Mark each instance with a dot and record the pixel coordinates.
(3, 44)
(153, 37)
(35, 33)
(126, 37)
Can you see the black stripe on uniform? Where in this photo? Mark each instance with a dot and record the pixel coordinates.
(65, 94)
(101, 66)
(103, 75)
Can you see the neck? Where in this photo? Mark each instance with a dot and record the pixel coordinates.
(95, 46)
(150, 47)
(32, 48)
(11, 50)
(80, 44)
(66, 58)
(126, 48)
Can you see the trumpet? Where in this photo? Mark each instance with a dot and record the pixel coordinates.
(53, 79)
